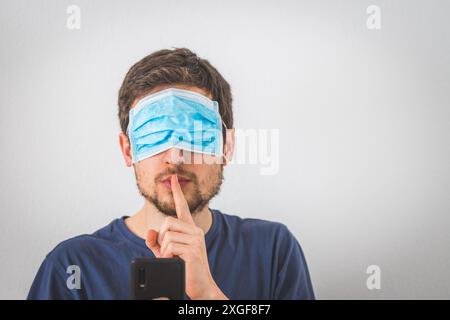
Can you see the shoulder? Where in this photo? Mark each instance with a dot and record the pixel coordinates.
(255, 227)
(75, 248)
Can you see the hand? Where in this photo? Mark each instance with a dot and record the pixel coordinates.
(181, 237)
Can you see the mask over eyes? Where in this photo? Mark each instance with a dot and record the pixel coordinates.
(175, 118)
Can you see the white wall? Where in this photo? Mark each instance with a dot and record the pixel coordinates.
(364, 118)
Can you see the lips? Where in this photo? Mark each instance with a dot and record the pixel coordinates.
(181, 180)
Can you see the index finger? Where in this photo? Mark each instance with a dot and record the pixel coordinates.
(181, 205)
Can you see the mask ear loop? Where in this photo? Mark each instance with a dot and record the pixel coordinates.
(226, 129)
(129, 140)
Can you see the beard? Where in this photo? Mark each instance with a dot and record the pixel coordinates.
(198, 196)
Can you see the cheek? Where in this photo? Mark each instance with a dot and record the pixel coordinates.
(206, 174)
(146, 170)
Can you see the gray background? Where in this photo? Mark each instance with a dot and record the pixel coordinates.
(364, 122)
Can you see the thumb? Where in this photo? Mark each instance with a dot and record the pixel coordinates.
(152, 242)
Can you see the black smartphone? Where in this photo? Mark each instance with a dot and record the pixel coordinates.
(157, 277)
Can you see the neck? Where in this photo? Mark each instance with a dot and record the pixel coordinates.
(149, 217)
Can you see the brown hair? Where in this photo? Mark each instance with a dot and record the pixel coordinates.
(177, 66)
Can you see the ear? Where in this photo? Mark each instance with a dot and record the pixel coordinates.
(124, 143)
(228, 148)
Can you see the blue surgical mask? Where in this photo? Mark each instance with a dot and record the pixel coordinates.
(175, 118)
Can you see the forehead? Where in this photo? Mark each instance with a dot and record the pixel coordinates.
(178, 86)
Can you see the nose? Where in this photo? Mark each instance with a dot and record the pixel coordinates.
(174, 156)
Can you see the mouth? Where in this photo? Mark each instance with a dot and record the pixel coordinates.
(181, 180)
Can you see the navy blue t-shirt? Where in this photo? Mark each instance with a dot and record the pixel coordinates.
(248, 259)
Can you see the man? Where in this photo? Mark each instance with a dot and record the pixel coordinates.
(226, 257)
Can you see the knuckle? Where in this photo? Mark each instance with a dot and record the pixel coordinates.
(168, 236)
(168, 220)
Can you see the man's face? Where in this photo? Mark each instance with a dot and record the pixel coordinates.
(200, 182)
